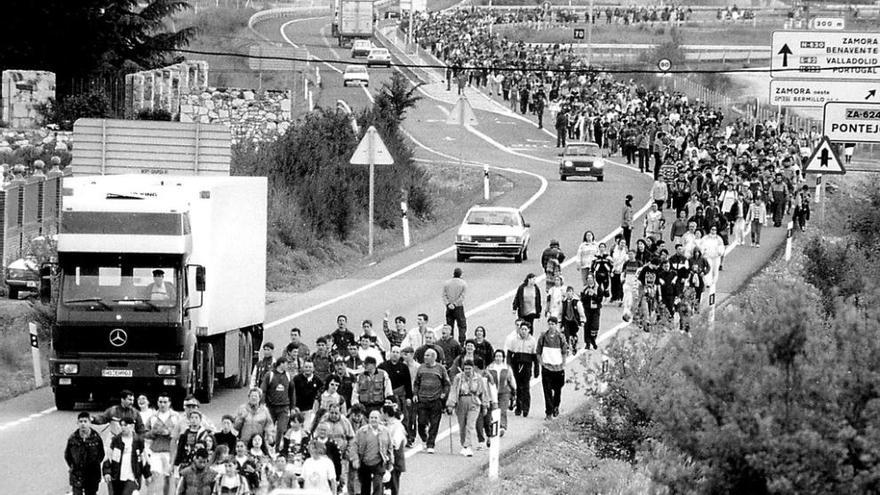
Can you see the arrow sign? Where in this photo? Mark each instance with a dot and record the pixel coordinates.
(371, 150)
(462, 113)
(785, 51)
(871, 94)
(824, 160)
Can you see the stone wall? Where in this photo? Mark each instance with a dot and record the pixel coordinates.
(250, 115)
(163, 88)
(22, 91)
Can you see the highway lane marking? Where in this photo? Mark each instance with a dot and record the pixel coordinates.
(25, 419)
(284, 26)
(287, 39)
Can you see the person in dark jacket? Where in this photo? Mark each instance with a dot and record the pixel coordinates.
(83, 454)
(126, 410)
(527, 302)
(198, 478)
(127, 449)
(280, 394)
(591, 299)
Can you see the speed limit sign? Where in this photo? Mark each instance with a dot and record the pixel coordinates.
(664, 64)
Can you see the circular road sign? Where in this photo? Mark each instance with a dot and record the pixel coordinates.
(664, 64)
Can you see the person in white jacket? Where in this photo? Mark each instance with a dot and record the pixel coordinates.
(586, 253)
(713, 250)
(756, 219)
(659, 193)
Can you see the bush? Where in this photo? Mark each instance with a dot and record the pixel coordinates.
(154, 114)
(92, 104)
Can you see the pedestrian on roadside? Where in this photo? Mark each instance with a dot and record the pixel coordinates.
(83, 454)
(430, 389)
(454, 291)
(527, 301)
(756, 219)
(482, 348)
(373, 387)
(318, 473)
(264, 365)
(126, 449)
(124, 410)
(391, 416)
(552, 350)
(522, 358)
(198, 478)
(573, 316)
(159, 429)
(371, 454)
(626, 221)
(469, 399)
(252, 417)
(506, 385)
(280, 395)
(551, 262)
(591, 300)
(586, 253)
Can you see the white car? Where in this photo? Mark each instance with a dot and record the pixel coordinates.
(493, 231)
(361, 48)
(356, 74)
(379, 56)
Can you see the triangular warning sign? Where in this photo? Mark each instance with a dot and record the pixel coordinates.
(371, 145)
(824, 160)
(462, 113)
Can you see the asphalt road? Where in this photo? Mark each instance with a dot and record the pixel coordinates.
(33, 434)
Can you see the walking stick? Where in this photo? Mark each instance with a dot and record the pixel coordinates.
(450, 434)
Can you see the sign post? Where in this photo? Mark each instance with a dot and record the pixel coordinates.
(462, 114)
(35, 354)
(371, 151)
(788, 241)
(486, 182)
(712, 305)
(825, 55)
(405, 221)
(495, 447)
(824, 160)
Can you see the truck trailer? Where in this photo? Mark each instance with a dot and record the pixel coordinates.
(159, 285)
(355, 20)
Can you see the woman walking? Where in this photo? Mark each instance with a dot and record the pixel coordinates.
(503, 376)
(591, 298)
(586, 253)
(467, 396)
(527, 302)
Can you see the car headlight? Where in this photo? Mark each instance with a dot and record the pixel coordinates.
(166, 369)
(464, 238)
(511, 238)
(68, 369)
(567, 163)
(599, 163)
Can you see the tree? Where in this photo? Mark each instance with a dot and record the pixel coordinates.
(89, 37)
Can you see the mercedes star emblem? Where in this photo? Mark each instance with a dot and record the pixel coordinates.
(118, 337)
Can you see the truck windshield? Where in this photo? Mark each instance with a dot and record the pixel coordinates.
(120, 282)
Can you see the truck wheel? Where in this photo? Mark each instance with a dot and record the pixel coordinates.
(525, 253)
(64, 400)
(601, 178)
(13, 293)
(206, 370)
(245, 356)
(460, 257)
(518, 258)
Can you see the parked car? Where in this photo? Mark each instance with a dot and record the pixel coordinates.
(379, 56)
(582, 159)
(356, 74)
(22, 275)
(493, 231)
(361, 48)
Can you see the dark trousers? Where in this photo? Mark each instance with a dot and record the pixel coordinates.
(560, 137)
(122, 487)
(522, 373)
(394, 484)
(627, 235)
(616, 287)
(643, 159)
(281, 416)
(455, 316)
(430, 413)
(552, 381)
(85, 490)
(370, 478)
(409, 421)
(658, 162)
(530, 319)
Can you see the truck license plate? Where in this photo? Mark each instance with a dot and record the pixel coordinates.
(582, 169)
(31, 284)
(116, 373)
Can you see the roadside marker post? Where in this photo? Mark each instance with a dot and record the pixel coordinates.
(371, 151)
(405, 221)
(35, 354)
(495, 447)
(486, 182)
(788, 241)
(712, 306)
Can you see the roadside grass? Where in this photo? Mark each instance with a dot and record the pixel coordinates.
(692, 34)
(16, 372)
(559, 461)
(294, 270)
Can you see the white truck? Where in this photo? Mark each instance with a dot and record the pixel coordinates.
(355, 20)
(160, 285)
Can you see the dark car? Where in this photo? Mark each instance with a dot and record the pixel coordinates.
(582, 160)
(22, 275)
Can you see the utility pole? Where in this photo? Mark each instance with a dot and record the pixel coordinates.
(589, 36)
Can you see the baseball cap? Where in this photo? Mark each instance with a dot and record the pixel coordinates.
(191, 402)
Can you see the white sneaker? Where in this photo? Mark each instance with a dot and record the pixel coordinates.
(468, 452)
(430, 450)
(463, 451)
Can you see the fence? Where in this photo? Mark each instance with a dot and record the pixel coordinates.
(112, 87)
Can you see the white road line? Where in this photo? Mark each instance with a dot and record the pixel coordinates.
(17, 422)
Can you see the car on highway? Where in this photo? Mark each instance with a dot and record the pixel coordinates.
(355, 74)
(379, 56)
(361, 48)
(22, 275)
(493, 231)
(582, 159)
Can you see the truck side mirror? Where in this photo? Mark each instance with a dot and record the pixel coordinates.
(46, 284)
(200, 278)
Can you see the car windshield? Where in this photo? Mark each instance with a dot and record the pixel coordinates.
(582, 150)
(120, 282)
(483, 217)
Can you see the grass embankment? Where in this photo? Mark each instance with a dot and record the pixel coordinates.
(16, 368)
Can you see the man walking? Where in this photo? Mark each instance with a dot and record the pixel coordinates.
(127, 463)
(83, 454)
(159, 429)
(373, 387)
(371, 454)
(279, 393)
(561, 127)
(197, 478)
(453, 298)
(430, 389)
(552, 351)
(522, 357)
